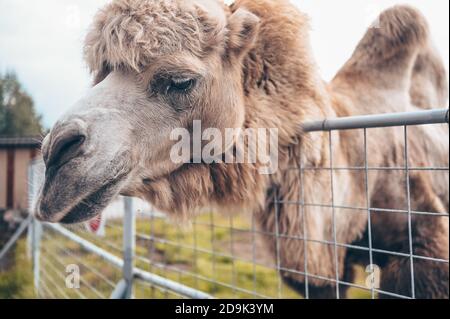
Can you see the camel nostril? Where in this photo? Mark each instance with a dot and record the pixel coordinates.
(65, 147)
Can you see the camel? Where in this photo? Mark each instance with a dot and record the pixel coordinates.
(159, 65)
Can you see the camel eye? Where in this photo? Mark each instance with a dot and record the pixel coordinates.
(180, 85)
(172, 86)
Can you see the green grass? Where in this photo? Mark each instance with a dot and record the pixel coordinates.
(17, 282)
(206, 258)
(215, 260)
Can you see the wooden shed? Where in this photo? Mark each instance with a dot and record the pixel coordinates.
(16, 155)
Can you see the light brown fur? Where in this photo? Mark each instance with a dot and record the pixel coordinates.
(393, 69)
(283, 90)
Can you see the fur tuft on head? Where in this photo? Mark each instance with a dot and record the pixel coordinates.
(129, 34)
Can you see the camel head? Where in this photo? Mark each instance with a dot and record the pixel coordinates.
(158, 66)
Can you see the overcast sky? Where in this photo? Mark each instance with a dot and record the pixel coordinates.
(42, 41)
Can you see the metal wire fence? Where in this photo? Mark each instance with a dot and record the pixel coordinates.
(143, 254)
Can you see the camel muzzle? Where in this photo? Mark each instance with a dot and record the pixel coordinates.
(81, 176)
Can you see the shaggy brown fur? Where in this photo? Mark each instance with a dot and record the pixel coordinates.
(393, 69)
(283, 89)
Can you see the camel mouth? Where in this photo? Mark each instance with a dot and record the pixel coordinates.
(55, 204)
(84, 209)
(91, 206)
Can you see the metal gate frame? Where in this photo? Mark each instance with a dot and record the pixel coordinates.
(129, 272)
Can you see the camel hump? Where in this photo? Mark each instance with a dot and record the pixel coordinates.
(429, 84)
(396, 53)
(400, 27)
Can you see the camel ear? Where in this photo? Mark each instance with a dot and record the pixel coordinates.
(101, 74)
(243, 27)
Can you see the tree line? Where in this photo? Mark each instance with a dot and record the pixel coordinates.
(18, 116)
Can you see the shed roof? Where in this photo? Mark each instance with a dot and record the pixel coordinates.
(20, 142)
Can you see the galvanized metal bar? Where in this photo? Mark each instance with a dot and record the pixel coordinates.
(369, 212)
(408, 193)
(253, 231)
(277, 241)
(440, 116)
(153, 249)
(23, 226)
(333, 211)
(137, 273)
(213, 245)
(30, 240)
(303, 216)
(36, 251)
(120, 290)
(170, 285)
(129, 244)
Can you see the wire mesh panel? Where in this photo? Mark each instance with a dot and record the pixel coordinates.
(403, 222)
(67, 270)
(227, 256)
(221, 255)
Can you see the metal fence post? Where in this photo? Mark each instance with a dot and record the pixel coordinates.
(30, 240)
(35, 228)
(36, 252)
(30, 208)
(129, 243)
